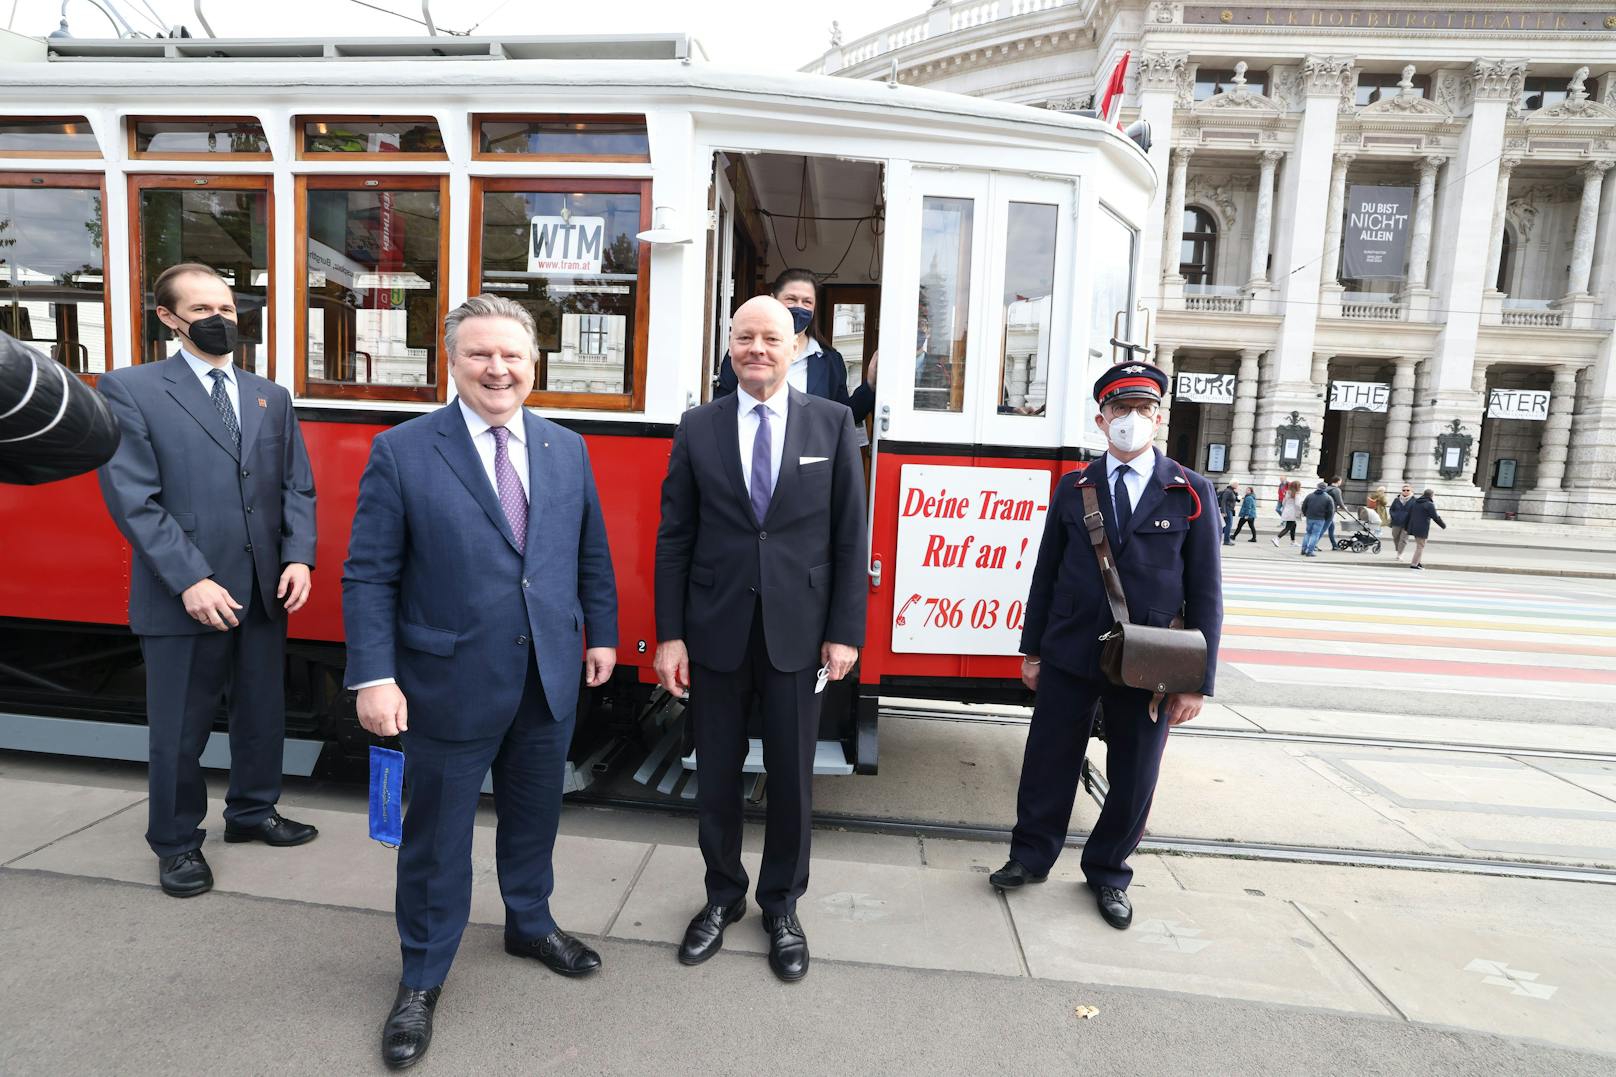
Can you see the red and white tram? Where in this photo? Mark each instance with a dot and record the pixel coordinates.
(353, 191)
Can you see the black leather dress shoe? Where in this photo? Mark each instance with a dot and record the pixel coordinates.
(705, 935)
(1114, 906)
(408, 1031)
(788, 947)
(559, 951)
(272, 831)
(185, 875)
(1014, 874)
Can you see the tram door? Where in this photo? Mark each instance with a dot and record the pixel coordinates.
(722, 269)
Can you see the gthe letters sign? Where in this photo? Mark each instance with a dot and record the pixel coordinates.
(1205, 388)
(1530, 404)
(1359, 395)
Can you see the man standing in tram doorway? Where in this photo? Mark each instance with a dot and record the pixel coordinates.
(760, 592)
(211, 485)
(477, 568)
(1161, 524)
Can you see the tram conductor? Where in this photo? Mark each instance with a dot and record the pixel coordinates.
(760, 591)
(1162, 526)
(212, 487)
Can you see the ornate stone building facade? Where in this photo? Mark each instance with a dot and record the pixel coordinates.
(1480, 356)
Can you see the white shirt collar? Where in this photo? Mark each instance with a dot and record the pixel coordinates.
(1144, 464)
(775, 403)
(476, 424)
(811, 348)
(202, 368)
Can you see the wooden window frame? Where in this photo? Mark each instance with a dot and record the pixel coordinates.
(54, 155)
(81, 181)
(186, 181)
(634, 399)
(323, 390)
(135, 154)
(478, 154)
(300, 122)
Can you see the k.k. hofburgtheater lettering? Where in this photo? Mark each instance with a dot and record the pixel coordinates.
(1388, 17)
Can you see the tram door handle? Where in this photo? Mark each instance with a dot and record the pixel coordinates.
(886, 417)
(875, 574)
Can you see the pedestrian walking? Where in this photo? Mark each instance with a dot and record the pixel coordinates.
(1228, 503)
(1333, 488)
(1397, 512)
(1421, 513)
(1376, 503)
(1248, 516)
(1319, 510)
(1290, 510)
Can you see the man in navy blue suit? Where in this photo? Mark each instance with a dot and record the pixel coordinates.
(477, 568)
(1162, 525)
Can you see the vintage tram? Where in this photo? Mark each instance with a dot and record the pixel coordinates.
(631, 195)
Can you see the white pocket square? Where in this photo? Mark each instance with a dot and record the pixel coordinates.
(811, 460)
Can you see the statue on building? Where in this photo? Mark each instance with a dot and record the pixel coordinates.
(835, 34)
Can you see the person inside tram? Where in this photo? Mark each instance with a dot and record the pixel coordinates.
(819, 369)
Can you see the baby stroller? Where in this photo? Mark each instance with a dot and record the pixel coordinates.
(1355, 535)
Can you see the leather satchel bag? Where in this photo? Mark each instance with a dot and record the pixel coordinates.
(1164, 660)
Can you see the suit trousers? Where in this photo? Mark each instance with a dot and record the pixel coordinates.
(720, 704)
(186, 679)
(1062, 720)
(444, 780)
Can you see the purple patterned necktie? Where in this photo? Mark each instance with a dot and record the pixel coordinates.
(762, 450)
(511, 496)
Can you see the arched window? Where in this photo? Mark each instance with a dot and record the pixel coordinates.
(1506, 260)
(1198, 254)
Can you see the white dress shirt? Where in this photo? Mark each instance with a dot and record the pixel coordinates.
(746, 428)
(482, 439)
(201, 370)
(797, 374)
(1136, 474)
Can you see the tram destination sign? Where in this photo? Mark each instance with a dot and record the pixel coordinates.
(564, 246)
(1374, 240)
(1527, 15)
(1359, 395)
(1205, 388)
(1532, 404)
(967, 540)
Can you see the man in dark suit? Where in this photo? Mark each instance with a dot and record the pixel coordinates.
(1161, 524)
(212, 487)
(477, 567)
(760, 591)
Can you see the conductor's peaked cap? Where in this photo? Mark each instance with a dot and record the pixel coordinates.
(1130, 381)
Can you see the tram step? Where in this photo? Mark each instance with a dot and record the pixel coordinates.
(829, 758)
(117, 740)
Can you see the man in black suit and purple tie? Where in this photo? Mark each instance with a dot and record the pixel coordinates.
(760, 592)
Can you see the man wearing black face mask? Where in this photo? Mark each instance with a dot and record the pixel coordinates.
(211, 485)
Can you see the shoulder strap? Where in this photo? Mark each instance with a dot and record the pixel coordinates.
(1095, 522)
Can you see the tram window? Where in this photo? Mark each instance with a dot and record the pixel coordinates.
(945, 303)
(219, 221)
(52, 279)
(1112, 291)
(371, 307)
(47, 136)
(396, 137)
(561, 138)
(1029, 290)
(234, 136)
(566, 250)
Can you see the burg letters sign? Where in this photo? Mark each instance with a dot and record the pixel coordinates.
(1530, 404)
(1374, 240)
(565, 245)
(1205, 388)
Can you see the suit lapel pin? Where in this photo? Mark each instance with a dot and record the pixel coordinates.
(263, 403)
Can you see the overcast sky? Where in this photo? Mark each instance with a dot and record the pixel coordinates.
(733, 32)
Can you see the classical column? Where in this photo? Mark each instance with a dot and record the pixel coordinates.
(1582, 247)
(1245, 415)
(1332, 217)
(1556, 445)
(1265, 215)
(1164, 360)
(1162, 78)
(1399, 412)
(1419, 259)
(1320, 374)
(1495, 246)
(1173, 229)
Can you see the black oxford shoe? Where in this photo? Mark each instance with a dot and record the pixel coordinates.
(1114, 906)
(559, 951)
(408, 1031)
(788, 947)
(1014, 874)
(272, 831)
(705, 935)
(185, 875)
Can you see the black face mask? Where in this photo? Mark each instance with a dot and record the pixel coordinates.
(215, 334)
(801, 317)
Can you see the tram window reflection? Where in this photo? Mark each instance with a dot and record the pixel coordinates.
(224, 224)
(372, 272)
(563, 138)
(945, 303)
(52, 281)
(1029, 289)
(571, 257)
(187, 137)
(1113, 287)
(397, 137)
(47, 136)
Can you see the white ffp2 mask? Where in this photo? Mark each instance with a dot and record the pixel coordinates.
(1131, 432)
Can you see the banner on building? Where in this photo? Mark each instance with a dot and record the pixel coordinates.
(565, 245)
(1374, 239)
(1359, 395)
(1205, 388)
(1532, 404)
